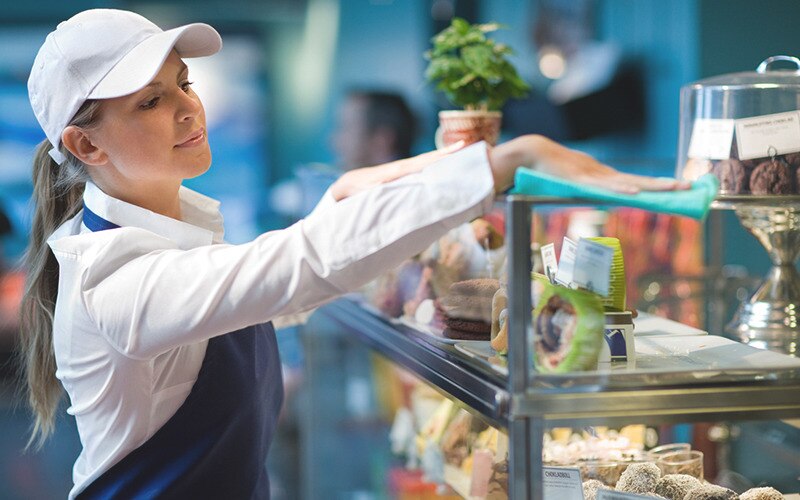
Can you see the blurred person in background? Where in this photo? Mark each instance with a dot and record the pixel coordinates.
(160, 333)
(372, 127)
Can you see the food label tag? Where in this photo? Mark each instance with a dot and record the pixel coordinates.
(561, 483)
(549, 260)
(593, 266)
(763, 136)
(711, 139)
(566, 262)
(619, 495)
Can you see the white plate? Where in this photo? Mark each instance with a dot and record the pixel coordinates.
(650, 325)
(482, 349)
(708, 352)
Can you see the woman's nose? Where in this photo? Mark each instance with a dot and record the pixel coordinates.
(190, 106)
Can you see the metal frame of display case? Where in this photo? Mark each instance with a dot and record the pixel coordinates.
(526, 403)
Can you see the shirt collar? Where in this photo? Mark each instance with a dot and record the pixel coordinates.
(201, 224)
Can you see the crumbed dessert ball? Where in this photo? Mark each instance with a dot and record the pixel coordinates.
(765, 493)
(675, 486)
(639, 478)
(590, 488)
(710, 492)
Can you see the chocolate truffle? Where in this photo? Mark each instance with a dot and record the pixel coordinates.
(772, 177)
(710, 492)
(766, 493)
(675, 486)
(733, 176)
(639, 478)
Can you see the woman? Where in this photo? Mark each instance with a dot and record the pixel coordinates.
(159, 332)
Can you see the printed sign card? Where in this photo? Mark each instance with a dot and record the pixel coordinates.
(549, 261)
(593, 266)
(566, 264)
(711, 139)
(762, 136)
(562, 483)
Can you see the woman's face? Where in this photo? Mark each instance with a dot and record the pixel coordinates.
(158, 133)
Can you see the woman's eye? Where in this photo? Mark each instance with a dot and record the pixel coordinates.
(186, 86)
(150, 104)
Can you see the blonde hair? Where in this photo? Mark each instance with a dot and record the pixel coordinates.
(57, 196)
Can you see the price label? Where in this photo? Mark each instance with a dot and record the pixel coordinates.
(562, 483)
(711, 139)
(593, 266)
(549, 261)
(566, 262)
(766, 135)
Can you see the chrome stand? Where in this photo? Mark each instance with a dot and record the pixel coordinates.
(769, 319)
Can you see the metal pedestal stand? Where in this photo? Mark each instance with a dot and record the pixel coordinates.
(769, 319)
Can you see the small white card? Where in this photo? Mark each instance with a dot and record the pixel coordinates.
(549, 261)
(561, 483)
(711, 139)
(766, 135)
(619, 495)
(593, 266)
(566, 262)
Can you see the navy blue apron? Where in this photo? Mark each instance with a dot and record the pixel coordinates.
(216, 445)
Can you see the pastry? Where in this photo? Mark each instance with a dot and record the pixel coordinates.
(639, 478)
(710, 492)
(675, 486)
(762, 493)
(499, 332)
(733, 177)
(470, 299)
(456, 437)
(772, 177)
(498, 483)
(454, 334)
(568, 330)
(486, 235)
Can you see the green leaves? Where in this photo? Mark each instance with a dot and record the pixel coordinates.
(471, 69)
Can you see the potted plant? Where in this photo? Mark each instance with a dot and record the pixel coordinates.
(474, 73)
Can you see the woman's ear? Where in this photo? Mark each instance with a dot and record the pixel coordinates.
(78, 142)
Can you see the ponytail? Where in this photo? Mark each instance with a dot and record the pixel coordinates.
(57, 196)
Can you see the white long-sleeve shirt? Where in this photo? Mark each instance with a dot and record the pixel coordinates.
(136, 305)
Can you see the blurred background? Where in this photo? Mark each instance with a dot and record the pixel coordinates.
(282, 122)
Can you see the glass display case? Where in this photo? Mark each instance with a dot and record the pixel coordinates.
(682, 378)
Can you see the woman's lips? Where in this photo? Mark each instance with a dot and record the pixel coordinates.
(195, 139)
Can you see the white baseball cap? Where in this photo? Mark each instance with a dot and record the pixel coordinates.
(100, 54)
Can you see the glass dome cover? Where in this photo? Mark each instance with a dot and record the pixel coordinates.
(744, 128)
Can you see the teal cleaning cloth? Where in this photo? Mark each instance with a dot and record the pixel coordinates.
(693, 202)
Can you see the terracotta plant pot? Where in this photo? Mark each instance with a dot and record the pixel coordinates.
(470, 126)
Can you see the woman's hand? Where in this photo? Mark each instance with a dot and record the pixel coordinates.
(542, 154)
(361, 179)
